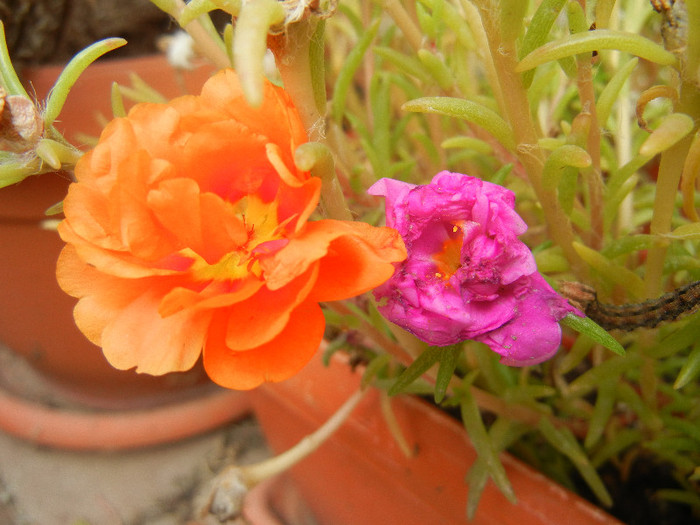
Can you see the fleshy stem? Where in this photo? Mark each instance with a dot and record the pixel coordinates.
(265, 469)
(232, 485)
(292, 51)
(297, 56)
(592, 174)
(672, 160)
(516, 109)
(318, 159)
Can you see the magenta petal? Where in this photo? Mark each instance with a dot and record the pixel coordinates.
(467, 275)
(533, 335)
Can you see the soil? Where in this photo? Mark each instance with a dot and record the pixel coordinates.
(52, 31)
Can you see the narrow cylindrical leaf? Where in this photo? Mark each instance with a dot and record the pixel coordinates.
(466, 110)
(588, 327)
(350, 66)
(564, 442)
(470, 143)
(609, 371)
(118, 109)
(567, 155)
(8, 76)
(438, 69)
(448, 363)
(421, 365)
(612, 89)
(590, 41)
(616, 273)
(690, 369)
(538, 30)
(471, 417)
(672, 128)
(250, 44)
(69, 75)
(604, 403)
(406, 64)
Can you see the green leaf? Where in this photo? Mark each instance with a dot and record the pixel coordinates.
(590, 328)
(448, 363)
(14, 172)
(689, 370)
(563, 156)
(471, 143)
(437, 68)
(250, 45)
(350, 66)
(686, 232)
(612, 271)
(8, 76)
(597, 40)
(621, 441)
(670, 130)
(374, 367)
(118, 109)
(512, 13)
(465, 110)
(500, 176)
(604, 404)
(68, 77)
(612, 89)
(485, 448)
(407, 65)
(609, 371)
(421, 365)
(196, 8)
(563, 441)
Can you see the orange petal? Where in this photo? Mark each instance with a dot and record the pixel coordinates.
(223, 93)
(261, 318)
(139, 337)
(275, 361)
(101, 296)
(358, 261)
(355, 257)
(202, 222)
(119, 263)
(217, 294)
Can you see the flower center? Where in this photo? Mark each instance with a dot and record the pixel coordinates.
(264, 237)
(448, 259)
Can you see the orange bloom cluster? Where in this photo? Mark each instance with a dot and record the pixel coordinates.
(187, 232)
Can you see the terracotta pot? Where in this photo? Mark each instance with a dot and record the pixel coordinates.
(361, 476)
(35, 315)
(36, 321)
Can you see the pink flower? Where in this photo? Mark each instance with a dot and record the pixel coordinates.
(467, 276)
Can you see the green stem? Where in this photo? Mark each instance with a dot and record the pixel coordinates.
(258, 472)
(670, 169)
(317, 158)
(403, 20)
(516, 109)
(293, 54)
(593, 174)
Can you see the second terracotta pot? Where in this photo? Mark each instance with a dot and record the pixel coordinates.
(361, 476)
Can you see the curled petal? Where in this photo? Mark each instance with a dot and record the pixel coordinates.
(274, 361)
(354, 257)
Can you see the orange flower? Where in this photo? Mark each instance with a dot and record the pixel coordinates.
(187, 232)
